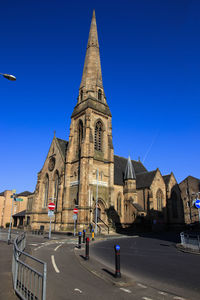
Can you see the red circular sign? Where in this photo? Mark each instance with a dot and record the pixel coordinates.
(75, 210)
(51, 206)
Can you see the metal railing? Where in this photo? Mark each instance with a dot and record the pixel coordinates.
(190, 241)
(103, 223)
(28, 283)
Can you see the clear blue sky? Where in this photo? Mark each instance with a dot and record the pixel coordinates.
(150, 56)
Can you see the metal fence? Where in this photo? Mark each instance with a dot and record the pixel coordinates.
(190, 241)
(28, 272)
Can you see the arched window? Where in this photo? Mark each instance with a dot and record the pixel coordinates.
(119, 204)
(174, 205)
(98, 136)
(99, 95)
(159, 197)
(56, 183)
(80, 133)
(46, 191)
(81, 95)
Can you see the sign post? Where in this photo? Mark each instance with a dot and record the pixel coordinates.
(75, 219)
(51, 208)
(9, 230)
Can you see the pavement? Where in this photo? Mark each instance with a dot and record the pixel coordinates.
(6, 289)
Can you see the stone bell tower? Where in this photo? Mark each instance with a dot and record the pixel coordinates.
(90, 149)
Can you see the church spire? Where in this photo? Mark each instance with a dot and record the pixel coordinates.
(129, 171)
(91, 83)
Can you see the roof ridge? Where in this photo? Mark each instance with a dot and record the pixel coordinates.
(127, 158)
(147, 172)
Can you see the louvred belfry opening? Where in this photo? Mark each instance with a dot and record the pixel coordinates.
(98, 137)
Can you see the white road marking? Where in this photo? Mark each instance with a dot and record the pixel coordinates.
(146, 298)
(33, 244)
(125, 290)
(179, 298)
(162, 293)
(77, 290)
(54, 264)
(38, 248)
(142, 285)
(57, 247)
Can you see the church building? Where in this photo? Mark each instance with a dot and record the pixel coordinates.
(84, 171)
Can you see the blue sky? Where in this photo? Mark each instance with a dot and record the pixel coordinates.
(151, 74)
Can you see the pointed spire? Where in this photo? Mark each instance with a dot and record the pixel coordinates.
(92, 77)
(129, 171)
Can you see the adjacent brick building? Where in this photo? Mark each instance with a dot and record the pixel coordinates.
(6, 207)
(127, 192)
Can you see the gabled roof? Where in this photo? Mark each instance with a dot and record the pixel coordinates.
(144, 180)
(120, 166)
(2, 194)
(166, 178)
(63, 145)
(190, 179)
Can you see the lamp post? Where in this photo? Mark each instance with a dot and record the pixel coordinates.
(9, 230)
(8, 76)
(96, 202)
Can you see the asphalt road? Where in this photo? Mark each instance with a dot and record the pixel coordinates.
(154, 261)
(68, 278)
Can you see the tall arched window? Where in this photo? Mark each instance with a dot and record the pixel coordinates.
(119, 204)
(46, 191)
(80, 133)
(99, 95)
(56, 183)
(98, 136)
(81, 95)
(159, 198)
(174, 205)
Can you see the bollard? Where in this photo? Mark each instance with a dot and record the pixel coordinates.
(79, 240)
(87, 248)
(84, 231)
(117, 261)
(92, 234)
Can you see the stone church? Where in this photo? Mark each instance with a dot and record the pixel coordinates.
(84, 171)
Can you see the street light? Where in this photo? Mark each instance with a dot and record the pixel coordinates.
(8, 76)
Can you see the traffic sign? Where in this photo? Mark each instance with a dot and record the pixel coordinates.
(18, 199)
(197, 203)
(75, 217)
(75, 210)
(51, 206)
(50, 213)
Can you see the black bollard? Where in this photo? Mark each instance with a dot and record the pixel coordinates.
(84, 231)
(87, 248)
(117, 261)
(79, 240)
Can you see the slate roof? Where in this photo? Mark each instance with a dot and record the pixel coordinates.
(20, 214)
(25, 193)
(63, 145)
(144, 180)
(2, 194)
(120, 166)
(166, 178)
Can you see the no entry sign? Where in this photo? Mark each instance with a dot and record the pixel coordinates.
(51, 206)
(75, 210)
